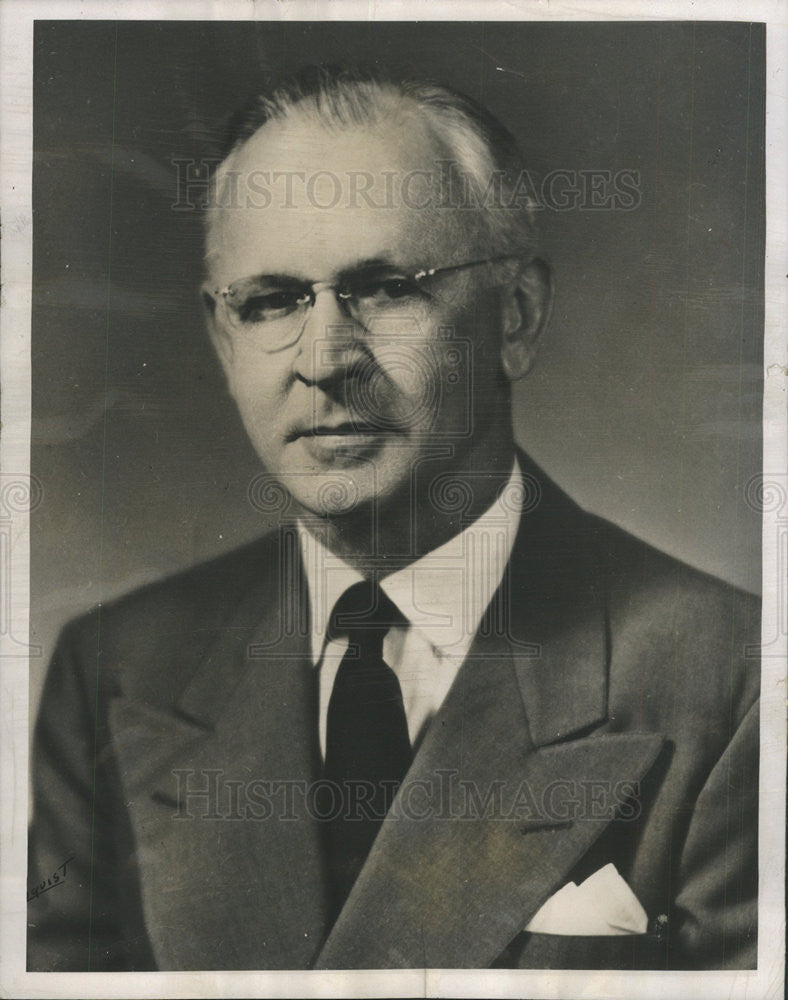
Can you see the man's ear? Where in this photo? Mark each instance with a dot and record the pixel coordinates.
(220, 339)
(526, 308)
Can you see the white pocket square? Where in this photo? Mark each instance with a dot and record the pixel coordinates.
(603, 904)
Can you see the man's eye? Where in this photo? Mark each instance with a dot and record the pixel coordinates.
(383, 290)
(268, 305)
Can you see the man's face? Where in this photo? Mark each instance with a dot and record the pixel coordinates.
(345, 411)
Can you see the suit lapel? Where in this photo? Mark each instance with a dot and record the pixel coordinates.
(494, 814)
(244, 731)
(555, 616)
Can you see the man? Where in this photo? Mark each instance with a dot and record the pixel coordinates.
(440, 717)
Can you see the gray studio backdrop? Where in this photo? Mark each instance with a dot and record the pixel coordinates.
(645, 404)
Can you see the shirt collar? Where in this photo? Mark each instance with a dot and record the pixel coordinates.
(444, 593)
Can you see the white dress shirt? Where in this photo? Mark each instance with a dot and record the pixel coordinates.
(443, 596)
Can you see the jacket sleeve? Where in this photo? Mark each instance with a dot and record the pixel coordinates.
(76, 906)
(717, 903)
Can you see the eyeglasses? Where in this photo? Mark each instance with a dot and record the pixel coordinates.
(273, 308)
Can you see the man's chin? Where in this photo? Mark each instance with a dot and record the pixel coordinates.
(348, 490)
(337, 493)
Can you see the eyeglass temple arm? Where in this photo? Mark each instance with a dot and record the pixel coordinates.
(429, 272)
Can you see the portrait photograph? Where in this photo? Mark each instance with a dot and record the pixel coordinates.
(394, 501)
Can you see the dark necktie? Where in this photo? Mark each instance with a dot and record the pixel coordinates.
(368, 749)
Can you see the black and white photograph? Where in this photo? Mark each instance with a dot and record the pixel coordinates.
(395, 553)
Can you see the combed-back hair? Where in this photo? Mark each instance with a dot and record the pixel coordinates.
(485, 163)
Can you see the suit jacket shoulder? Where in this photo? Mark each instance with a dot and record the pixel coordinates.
(149, 640)
(701, 634)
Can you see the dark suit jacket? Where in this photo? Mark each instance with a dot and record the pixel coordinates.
(607, 712)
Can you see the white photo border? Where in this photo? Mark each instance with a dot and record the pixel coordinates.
(16, 33)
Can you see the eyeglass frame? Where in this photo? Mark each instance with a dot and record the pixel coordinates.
(342, 297)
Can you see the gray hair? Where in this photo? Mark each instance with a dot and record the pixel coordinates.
(480, 157)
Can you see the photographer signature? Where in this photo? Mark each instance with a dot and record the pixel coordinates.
(57, 877)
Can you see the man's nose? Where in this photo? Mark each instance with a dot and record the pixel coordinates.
(329, 340)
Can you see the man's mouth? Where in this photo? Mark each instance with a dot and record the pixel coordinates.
(344, 441)
(345, 429)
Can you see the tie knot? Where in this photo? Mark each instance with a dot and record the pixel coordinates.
(363, 609)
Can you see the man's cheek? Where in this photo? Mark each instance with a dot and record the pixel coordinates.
(255, 385)
(260, 417)
(407, 390)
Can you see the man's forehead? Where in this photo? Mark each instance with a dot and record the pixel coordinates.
(400, 141)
